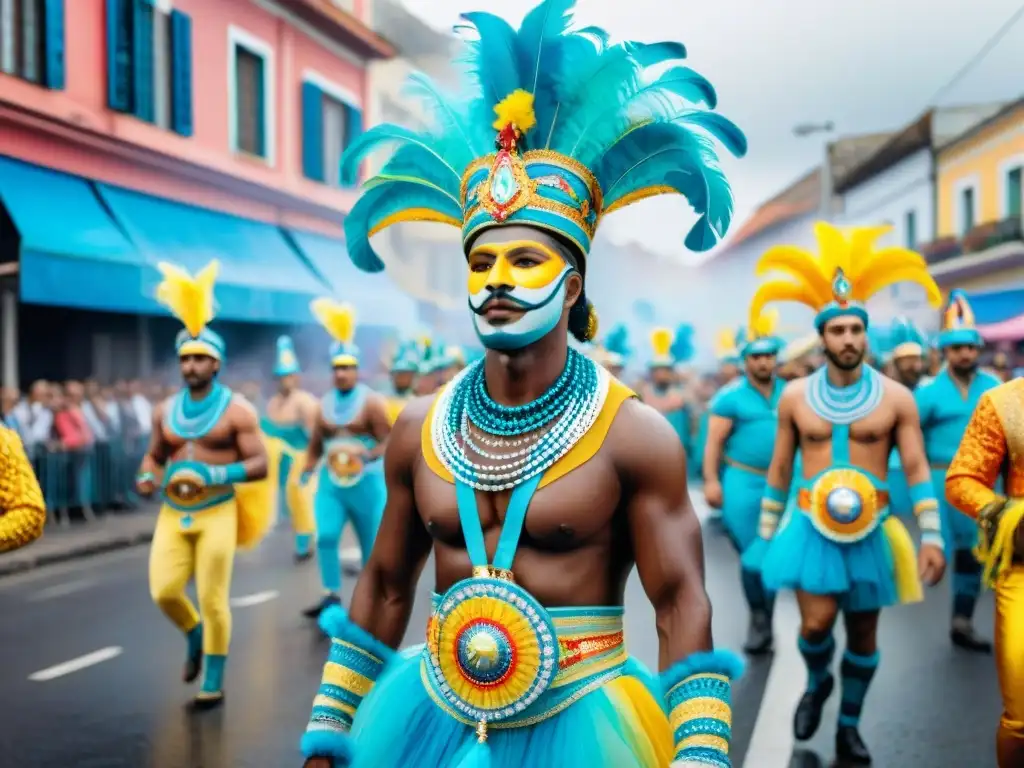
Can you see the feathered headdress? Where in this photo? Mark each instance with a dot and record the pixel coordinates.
(661, 346)
(683, 348)
(190, 299)
(406, 358)
(616, 347)
(759, 338)
(726, 347)
(557, 129)
(339, 320)
(845, 273)
(958, 327)
(905, 340)
(287, 362)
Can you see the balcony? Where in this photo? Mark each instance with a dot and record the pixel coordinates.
(988, 247)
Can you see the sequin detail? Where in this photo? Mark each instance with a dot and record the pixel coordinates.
(975, 468)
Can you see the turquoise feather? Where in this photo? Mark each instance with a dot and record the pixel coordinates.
(412, 144)
(682, 344)
(617, 341)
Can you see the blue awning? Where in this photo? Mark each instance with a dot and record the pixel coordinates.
(996, 306)
(376, 297)
(73, 254)
(262, 278)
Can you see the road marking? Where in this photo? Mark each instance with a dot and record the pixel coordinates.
(352, 553)
(772, 743)
(75, 665)
(247, 601)
(61, 590)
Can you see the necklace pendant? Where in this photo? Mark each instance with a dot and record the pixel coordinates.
(490, 572)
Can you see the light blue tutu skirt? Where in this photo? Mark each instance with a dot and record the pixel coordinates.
(741, 507)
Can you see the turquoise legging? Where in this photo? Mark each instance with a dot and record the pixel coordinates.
(363, 504)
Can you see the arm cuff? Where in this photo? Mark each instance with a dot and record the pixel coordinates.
(698, 700)
(227, 474)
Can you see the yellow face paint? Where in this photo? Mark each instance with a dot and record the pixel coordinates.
(519, 263)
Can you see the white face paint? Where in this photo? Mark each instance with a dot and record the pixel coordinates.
(542, 311)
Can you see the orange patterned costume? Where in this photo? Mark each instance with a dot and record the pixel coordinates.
(992, 446)
(22, 509)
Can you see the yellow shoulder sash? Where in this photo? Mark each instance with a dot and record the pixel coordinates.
(578, 455)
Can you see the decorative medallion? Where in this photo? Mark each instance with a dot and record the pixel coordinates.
(844, 505)
(492, 649)
(344, 463)
(185, 487)
(841, 288)
(507, 187)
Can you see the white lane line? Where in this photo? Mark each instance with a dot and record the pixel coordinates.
(247, 601)
(352, 553)
(75, 665)
(61, 590)
(772, 743)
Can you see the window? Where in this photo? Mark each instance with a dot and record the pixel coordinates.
(149, 62)
(1014, 192)
(910, 229)
(32, 40)
(251, 91)
(329, 125)
(967, 210)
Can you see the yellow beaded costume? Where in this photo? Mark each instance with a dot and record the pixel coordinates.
(22, 509)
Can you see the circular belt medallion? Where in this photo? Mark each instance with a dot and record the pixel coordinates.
(344, 466)
(492, 649)
(185, 488)
(844, 505)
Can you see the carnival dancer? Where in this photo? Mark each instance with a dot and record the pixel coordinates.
(683, 352)
(403, 369)
(741, 431)
(428, 379)
(617, 351)
(904, 359)
(728, 357)
(22, 508)
(661, 390)
(288, 423)
(518, 475)
(945, 405)
(840, 549)
(205, 454)
(454, 362)
(992, 448)
(346, 451)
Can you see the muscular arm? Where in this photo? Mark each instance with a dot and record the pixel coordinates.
(380, 426)
(316, 441)
(909, 440)
(665, 531)
(309, 411)
(22, 509)
(977, 463)
(780, 473)
(719, 429)
(383, 597)
(158, 451)
(249, 441)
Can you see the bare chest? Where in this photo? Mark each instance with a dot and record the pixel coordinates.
(359, 425)
(220, 438)
(284, 410)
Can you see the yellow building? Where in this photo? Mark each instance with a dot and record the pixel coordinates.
(979, 196)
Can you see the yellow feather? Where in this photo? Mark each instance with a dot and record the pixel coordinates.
(661, 341)
(339, 320)
(782, 290)
(800, 264)
(833, 249)
(878, 281)
(764, 324)
(516, 108)
(725, 343)
(190, 299)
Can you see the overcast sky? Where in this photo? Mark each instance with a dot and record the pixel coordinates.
(867, 65)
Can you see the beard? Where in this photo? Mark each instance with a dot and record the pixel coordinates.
(844, 364)
(761, 377)
(965, 370)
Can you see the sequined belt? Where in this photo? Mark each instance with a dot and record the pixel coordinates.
(186, 491)
(844, 504)
(345, 464)
(745, 467)
(591, 652)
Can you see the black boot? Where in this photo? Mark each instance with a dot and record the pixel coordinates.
(850, 747)
(327, 601)
(193, 666)
(808, 712)
(302, 557)
(963, 636)
(759, 634)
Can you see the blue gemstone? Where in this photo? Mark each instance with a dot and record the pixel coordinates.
(503, 185)
(484, 653)
(841, 286)
(186, 521)
(844, 505)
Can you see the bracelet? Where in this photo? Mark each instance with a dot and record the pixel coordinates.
(773, 504)
(227, 474)
(145, 477)
(699, 706)
(354, 663)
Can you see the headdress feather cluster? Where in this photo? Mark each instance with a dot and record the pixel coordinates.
(339, 320)
(188, 297)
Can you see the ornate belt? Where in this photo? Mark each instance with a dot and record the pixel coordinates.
(186, 491)
(744, 467)
(488, 659)
(344, 461)
(843, 504)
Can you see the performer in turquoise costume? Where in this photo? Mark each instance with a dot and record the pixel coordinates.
(945, 405)
(617, 350)
(840, 548)
(287, 424)
(524, 662)
(404, 367)
(905, 358)
(346, 451)
(683, 351)
(729, 359)
(661, 391)
(741, 432)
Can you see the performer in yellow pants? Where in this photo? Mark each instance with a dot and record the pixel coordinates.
(995, 440)
(22, 510)
(207, 445)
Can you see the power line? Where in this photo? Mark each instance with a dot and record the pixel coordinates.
(980, 56)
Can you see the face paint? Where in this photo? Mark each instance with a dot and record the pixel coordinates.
(525, 275)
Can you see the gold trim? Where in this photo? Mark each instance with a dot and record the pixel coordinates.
(490, 572)
(640, 194)
(413, 214)
(541, 156)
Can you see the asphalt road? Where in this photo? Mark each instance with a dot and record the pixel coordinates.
(90, 676)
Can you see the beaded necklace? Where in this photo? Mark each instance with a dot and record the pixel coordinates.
(340, 408)
(468, 423)
(192, 419)
(844, 405)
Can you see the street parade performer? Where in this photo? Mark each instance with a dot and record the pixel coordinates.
(945, 405)
(22, 509)
(402, 371)
(993, 448)
(289, 421)
(741, 432)
(525, 662)
(840, 549)
(347, 452)
(661, 391)
(207, 448)
(906, 361)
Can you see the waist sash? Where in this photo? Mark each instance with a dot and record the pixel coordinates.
(745, 467)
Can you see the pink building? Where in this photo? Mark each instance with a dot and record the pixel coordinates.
(136, 131)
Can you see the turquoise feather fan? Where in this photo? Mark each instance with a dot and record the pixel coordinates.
(594, 103)
(682, 349)
(617, 341)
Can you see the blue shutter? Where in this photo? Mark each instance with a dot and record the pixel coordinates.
(312, 132)
(54, 28)
(119, 58)
(181, 73)
(353, 126)
(143, 104)
(261, 109)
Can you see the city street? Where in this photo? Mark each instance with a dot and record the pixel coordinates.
(91, 673)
